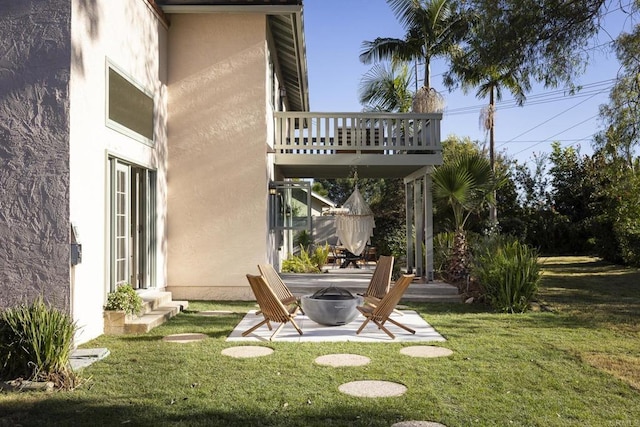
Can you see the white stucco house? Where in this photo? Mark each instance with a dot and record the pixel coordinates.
(152, 143)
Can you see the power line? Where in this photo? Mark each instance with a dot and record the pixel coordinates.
(541, 98)
(552, 118)
(559, 133)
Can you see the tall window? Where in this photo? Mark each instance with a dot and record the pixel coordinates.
(129, 107)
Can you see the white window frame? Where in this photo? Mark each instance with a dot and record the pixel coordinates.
(112, 124)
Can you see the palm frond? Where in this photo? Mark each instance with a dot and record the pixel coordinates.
(381, 49)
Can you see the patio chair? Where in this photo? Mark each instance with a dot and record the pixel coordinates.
(380, 280)
(278, 286)
(381, 313)
(271, 308)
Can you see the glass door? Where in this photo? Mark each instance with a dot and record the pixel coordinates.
(121, 222)
(132, 224)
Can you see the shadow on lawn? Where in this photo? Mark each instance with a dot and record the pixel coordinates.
(92, 412)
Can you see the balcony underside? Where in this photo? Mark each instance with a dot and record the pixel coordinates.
(343, 165)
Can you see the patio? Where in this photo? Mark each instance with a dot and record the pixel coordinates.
(356, 281)
(314, 332)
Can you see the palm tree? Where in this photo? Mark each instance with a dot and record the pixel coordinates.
(432, 30)
(466, 185)
(387, 88)
(488, 81)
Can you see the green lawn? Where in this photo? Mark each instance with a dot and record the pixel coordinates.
(574, 363)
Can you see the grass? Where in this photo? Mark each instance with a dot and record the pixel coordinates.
(575, 364)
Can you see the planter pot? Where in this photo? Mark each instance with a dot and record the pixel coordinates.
(114, 321)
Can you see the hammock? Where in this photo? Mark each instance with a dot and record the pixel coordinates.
(355, 227)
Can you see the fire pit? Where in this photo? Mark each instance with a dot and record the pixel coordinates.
(331, 306)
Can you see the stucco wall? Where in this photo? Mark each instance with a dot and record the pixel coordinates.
(34, 151)
(128, 35)
(218, 176)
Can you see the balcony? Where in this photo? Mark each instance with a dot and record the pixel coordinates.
(332, 145)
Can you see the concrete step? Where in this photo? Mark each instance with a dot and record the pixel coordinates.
(418, 291)
(152, 299)
(158, 307)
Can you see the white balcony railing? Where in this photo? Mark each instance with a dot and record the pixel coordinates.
(359, 133)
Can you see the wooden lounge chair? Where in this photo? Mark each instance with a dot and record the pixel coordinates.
(270, 307)
(380, 314)
(380, 280)
(278, 286)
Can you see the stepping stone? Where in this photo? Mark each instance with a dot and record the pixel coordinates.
(417, 424)
(337, 360)
(426, 351)
(245, 351)
(370, 388)
(184, 338)
(83, 357)
(211, 313)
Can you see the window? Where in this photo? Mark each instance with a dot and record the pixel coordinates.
(129, 107)
(290, 205)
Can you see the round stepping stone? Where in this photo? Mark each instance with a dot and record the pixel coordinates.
(215, 313)
(184, 338)
(337, 360)
(369, 388)
(426, 351)
(417, 424)
(245, 351)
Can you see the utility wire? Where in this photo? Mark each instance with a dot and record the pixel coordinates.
(540, 98)
(550, 119)
(559, 133)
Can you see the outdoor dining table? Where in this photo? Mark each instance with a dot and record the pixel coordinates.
(350, 258)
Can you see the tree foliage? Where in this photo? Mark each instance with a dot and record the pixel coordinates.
(432, 30)
(545, 42)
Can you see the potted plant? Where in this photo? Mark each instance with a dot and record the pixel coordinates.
(122, 304)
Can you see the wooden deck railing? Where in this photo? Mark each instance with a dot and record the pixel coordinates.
(360, 133)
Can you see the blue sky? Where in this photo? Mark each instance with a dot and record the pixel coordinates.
(335, 30)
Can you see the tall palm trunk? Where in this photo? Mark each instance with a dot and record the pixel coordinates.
(493, 208)
(458, 268)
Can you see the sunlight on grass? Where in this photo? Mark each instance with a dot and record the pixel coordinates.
(575, 365)
(625, 367)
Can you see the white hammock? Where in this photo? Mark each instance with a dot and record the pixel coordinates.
(355, 227)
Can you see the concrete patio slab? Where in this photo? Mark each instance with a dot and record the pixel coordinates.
(314, 332)
(357, 281)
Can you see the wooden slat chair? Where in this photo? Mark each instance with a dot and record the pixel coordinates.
(278, 286)
(380, 280)
(380, 314)
(270, 307)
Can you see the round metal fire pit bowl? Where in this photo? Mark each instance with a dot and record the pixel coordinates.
(331, 306)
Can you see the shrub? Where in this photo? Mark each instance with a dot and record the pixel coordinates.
(320, 256)
(126, 299)
(442, 248)
(509, 275)
(307, 262)
(35, 344)
(303, 238)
